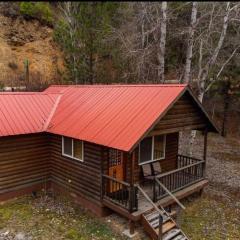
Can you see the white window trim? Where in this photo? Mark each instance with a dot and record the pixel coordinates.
(71, 156)
(152, 153)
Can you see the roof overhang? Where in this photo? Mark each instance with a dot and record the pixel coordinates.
(212, 126)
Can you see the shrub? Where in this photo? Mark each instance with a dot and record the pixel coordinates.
(1, 86)
(13, 65)
(38, 10)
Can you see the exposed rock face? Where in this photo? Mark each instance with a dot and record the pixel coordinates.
(22, 40)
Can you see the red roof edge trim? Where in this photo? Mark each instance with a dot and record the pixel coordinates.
(158, 119)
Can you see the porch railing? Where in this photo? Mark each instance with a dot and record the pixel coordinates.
(183, 160)
(120, 193)
(190, 170)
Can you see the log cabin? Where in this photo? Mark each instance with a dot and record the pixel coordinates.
(109, 147)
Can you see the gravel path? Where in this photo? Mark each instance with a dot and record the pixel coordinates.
(223, 159)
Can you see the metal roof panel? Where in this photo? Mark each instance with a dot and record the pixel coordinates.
(23, 113)
(112, 115)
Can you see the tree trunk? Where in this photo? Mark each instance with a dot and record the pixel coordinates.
(204, 73)
(190, 44)
(226, 107)
(194, 132)
(161, 55)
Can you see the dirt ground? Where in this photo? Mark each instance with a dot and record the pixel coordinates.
(43, 218)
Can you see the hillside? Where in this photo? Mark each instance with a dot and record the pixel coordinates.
(27, 39)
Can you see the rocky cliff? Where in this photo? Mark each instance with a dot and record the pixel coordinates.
(22, 41)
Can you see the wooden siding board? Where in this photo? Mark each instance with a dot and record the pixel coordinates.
(167, 164)
(184, 114)
(24, 160)
(36, 158)
(85, 176)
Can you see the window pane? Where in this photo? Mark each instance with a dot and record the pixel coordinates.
(158, 147)
(67, 146)
(115, 157)
(77, 149)
(146, 150)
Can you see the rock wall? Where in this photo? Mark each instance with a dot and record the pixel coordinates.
(22, 40)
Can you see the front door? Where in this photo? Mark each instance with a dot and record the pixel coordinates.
(115, 168)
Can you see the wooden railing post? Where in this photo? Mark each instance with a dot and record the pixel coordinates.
(154, 191)
(131, 197)
(205, 151)
(160, 235)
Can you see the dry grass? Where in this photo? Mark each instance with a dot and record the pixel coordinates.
(45, 219)
(212, 217)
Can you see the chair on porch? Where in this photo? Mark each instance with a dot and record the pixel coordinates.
(147, 172)
(156, 168)
(150, 170)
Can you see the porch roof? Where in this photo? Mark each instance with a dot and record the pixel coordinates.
(116, 116)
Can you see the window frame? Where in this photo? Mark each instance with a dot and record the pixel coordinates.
(71, 156)
(152, 152)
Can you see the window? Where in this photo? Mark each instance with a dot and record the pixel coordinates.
(152, 149)
(72, 148)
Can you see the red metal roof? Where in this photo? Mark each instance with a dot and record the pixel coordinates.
(22, 113)
(116, 116)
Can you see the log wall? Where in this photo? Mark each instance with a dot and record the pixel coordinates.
(80, 179)
(24, 162)
(185, 114)
(167, 164)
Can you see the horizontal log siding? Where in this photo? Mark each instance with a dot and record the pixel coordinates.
(167, 164)
(24, 161)
(185, 114)
(81, 179)
(170, 161)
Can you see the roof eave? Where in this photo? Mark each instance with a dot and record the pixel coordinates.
(186, 89)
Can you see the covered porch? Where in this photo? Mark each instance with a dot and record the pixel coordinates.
(127, 198)
(154, 174)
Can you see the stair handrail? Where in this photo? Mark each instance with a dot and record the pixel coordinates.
(161, 212)
(169, 193)
(150, 201)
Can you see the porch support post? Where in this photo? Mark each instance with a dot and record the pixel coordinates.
(131, 227)
(132, 168)
(205, 150)
(102, 171)
(131, 222)
(131, 197)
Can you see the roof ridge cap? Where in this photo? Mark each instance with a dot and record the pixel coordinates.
(120, 85)
(46, 124)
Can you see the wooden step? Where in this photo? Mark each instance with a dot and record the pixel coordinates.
(179, 237)
(155, 218)
(155, 223)
(175, 232)
(152, 215)
(166, 227)
(170, 231)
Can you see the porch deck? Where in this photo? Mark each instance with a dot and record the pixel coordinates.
(183, 181)
(145, 206)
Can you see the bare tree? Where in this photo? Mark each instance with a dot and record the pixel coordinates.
(208, 46)
(212, 55)
(162, 43)
(69, 11)
(189, 53)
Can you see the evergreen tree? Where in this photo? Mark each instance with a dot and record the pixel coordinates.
(81, 32)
